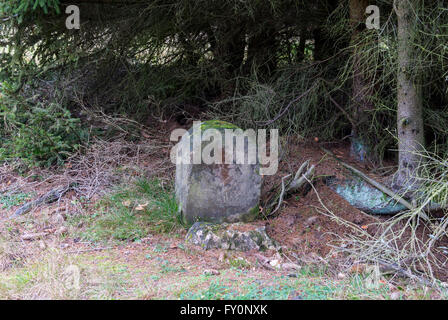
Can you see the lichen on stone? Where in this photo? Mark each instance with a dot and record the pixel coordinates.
(225, 236)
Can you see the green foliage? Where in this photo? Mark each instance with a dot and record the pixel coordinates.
(36, 132)
(242, 59)
(296, 101)
(306, 286)
(239, 263)
(133, 213)
(177, 52)
(19, 8)
(248, 290)
(9, 200)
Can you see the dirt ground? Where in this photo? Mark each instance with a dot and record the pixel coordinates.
(306, 235)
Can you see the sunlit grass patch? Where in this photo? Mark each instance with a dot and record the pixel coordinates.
(307, 284)
(132, 212)
(246, 288)
(57, 275)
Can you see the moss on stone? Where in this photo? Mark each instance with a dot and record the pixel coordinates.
(251, 215)
(217, 124)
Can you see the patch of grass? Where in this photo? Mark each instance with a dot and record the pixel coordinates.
(247, 289)
(131, 213)
(239, 263)
(309, 284)
(13, 199)
(167, 267)
(56, 275)
(105, 275)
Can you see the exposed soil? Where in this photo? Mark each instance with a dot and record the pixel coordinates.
(301, 226)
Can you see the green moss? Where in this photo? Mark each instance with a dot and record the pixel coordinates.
(217, 124)
(251, 215)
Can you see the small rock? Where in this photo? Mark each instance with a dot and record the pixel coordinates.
(364, 197)
(227, 236)
(211, 272)
(275, 263)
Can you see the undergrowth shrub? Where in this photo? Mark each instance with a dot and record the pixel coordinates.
(296, 101)
(39, 133)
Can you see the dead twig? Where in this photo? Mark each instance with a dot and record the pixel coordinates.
(283, 112)
(89, 250)
(49, 197)
(299, 180)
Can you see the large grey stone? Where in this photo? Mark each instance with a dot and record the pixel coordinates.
(226, 192)
(363, 196)
(237, 236)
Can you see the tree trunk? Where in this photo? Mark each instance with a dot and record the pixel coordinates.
(409, 112)
(228, 45)
(300, 55)
(362, 88)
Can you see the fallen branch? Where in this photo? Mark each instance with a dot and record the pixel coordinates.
(300, 179)
(34, 236)
(88, 250)
(373, 258)
(388, 267)
(49, 197)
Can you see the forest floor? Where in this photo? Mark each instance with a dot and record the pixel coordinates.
(124, 242)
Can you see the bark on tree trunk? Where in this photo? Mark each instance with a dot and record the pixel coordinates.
(300, 55)
(409, 111)
(362, 88)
